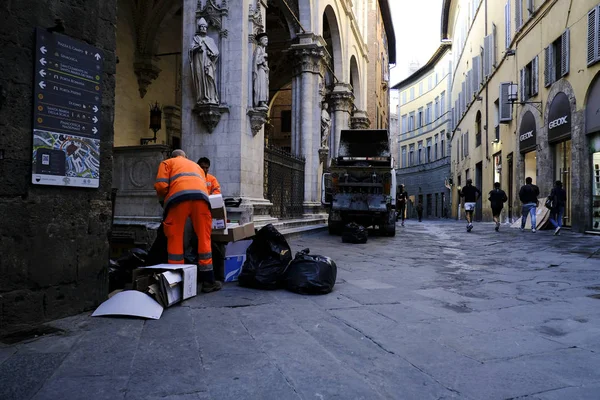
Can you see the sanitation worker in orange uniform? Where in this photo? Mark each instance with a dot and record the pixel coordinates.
(181, 185)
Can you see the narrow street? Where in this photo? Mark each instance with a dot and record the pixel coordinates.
(433, 313)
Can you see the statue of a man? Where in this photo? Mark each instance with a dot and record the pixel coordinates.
(325, 126)
(260, 73)
(203, 58)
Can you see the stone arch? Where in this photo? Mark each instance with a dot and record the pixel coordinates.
(592, 108)
(355, 82)
(333, 37)
(149, 18)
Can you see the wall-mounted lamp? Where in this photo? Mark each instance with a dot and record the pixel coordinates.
(510, 52)
(496, 140)
(155, 122)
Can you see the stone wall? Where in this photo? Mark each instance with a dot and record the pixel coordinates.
(53, 240)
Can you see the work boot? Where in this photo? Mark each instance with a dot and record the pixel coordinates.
(208, 287)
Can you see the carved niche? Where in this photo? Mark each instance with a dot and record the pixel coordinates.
(213, 13)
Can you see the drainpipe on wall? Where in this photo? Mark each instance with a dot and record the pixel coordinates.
(487, 99)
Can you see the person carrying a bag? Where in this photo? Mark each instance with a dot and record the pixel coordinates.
(556, 203)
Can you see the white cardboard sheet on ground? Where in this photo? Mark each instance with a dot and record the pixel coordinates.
(131, 303)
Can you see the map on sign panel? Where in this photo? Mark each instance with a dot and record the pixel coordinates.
(67, 102)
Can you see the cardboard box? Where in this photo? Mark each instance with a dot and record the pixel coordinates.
(235, 255)
(169, 283)
(219, 213)
(234, 233)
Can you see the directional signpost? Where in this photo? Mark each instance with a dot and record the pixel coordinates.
(66, 114)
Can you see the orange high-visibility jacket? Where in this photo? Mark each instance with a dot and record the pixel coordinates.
(180, 179)
(212, 184)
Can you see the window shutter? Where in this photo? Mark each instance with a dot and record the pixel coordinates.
(592, 37)
(531, 7)
(493, 48)
(518, 14)
(505, 106)
(522, 85)
(565, 57)
(507, 24)
(535, 78)
(548, 66)
(476, 74)
(486, 57)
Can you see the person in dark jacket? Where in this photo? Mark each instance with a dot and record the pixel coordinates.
(558, 195)
(420, 211)
(529, 199)
(497, 198)
(401, 199)
(471, 194)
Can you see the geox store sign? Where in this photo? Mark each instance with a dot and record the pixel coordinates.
(559, 118)
(527, 133)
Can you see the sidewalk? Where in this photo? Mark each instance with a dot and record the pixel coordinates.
(432, 313)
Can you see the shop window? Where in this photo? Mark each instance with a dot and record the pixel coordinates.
(556, 57)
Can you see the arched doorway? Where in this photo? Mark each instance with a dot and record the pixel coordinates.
(355, 81)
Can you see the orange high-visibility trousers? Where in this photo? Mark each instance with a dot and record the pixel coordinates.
(174, 225)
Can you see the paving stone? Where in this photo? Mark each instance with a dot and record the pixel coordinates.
(22, 375)
(82, 387)
(579, 393)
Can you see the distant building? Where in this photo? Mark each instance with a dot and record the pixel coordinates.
(525, 94)
(422, 141)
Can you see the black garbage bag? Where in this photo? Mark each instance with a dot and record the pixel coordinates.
(266, 260)
(119, 271)
(158, 251)
(354, 233)
(310, 274)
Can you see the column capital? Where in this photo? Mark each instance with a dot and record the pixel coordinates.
(342, 98)
(360, 120)
(310, 58)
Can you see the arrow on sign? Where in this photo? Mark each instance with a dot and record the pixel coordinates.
(94, 130)
(43, 61)
(43, 49)
(42, 85)
(95, 109)
(97, 56)
(42, 73)
(95, 119)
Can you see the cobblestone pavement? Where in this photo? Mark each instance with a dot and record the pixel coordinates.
(433, 313)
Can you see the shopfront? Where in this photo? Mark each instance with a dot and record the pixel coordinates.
(592, 118)
(527, 144)
(559, 137)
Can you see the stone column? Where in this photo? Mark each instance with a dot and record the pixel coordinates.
(236, 154)
(360, 120)
(308, 71)
(342, 100)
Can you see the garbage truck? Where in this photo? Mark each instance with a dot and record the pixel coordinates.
(360, 185)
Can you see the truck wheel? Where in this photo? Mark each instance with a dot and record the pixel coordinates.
(389, 230)
(335, 227)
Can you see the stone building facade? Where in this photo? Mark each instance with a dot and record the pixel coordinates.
(381, 55)
(422, 143)
(524, 97)
(318, 53)
(53, 240)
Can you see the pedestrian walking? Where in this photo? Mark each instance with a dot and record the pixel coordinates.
(401, 199)
(471, 194)
(497, 198)
(529, 199)
(558, 199)
(181, 188)
(420, 211)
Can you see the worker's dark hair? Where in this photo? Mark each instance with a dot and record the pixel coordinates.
(528, 180)
(558, 184)
(497, 185)
(204, 160)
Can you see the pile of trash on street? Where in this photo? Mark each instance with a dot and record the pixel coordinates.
(142, 284)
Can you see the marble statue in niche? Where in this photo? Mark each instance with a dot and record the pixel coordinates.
(260, 72)
(325, 125)
(203, 59)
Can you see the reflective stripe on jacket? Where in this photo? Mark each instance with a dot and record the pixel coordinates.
(180, 179)
(212, 184)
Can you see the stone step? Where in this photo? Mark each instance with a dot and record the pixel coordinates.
(298, 226)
